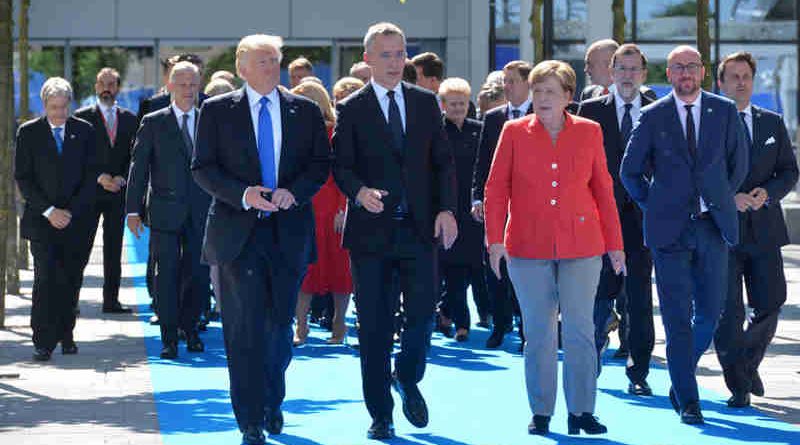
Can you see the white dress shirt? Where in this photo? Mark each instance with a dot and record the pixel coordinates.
(274, 107)
(748, 119)
(63, 128)
(696, 112)
(619, 103)
(383, 100)
(523, 109)
(191, 122)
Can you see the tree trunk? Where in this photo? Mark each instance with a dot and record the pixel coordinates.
(24, 111)
(6, 108)
(618, 9)
(537, 34)
(704, 41)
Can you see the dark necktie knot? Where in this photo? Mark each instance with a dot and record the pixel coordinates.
(628, 108)
(515, 113)
(688, 107)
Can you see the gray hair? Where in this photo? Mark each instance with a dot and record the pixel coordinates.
(55, 87)
(182, 67)
(384, 29)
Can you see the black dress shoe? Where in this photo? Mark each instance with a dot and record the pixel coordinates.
(253, 436)
(757, 386)
(117, 309)
(41, 354)
(414, 406)
(739, 400)
(69, 347)
(170, 351)
(496, 339)
(274, 421)
(444, 329)
(586, 422)
(673, 399)
(691, 415)
(640, 388)
(381, 429)
(540, 425)
(620, 354)
(194, 344)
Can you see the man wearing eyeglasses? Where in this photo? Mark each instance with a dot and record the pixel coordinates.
(616, 114)
(685, 161)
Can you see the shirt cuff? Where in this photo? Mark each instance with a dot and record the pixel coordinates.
(134, 214)
(244, 199)
(47, 212)
(476, 202)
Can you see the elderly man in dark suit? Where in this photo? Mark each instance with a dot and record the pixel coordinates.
(686, 158)
(392, 162)
(176, 211)
(757, 259)
(115, 129)
(517, 90)
(56, 173)
(616, 114)
(261, 153)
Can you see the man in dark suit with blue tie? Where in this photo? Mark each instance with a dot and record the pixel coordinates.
(757, 259)
(393, 163)
(262, 154)
(517, 89)
(686, 159)
(176, 211)
(56, 171)
(616, 113)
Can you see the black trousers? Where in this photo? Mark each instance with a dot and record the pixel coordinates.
(112, 207)
(741, 350)
(57, 278)
(259, 293)
(414, 263)
(502, 297)
(456, 278)
(182, 282)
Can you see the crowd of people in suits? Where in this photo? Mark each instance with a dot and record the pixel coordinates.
(553, 205)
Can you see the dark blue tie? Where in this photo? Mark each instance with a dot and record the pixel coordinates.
(398, 137)
(742, 115)
(266, 146)
(59, 139)
(627, 124)
(515, 113)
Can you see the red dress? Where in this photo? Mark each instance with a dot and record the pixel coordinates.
(331, 272)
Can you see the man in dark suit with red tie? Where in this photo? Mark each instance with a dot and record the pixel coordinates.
(115, 129)
(392, 162)
(515, 85)
(262, 154)
(616, 114)
(56, 174)
(757, 259)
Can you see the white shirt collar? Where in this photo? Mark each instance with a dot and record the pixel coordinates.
(253, 96)
(697, 103)
(179, 113)
(748, 110)
(620, 102)
(523, 107)
(381, 91)
(53, 127)
(105, 109)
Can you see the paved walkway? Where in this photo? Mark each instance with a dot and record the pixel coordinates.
(104, 394)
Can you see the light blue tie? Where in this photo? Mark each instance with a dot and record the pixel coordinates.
(59, 139)
(266, 146)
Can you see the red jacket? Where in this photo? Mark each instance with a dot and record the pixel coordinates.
(549, 201)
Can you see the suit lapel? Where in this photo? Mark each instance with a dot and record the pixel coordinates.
(677, 128)
(411, 115)
(288, 113)
(610, 117)
(380, 124)
(758, 140)
(100, 125)
(244, 125)
(174, 129)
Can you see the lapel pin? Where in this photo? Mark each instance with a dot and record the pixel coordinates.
(72, 136)
(291, 110)
(708, 110)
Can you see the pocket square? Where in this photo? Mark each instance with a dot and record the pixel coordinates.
(771, 140)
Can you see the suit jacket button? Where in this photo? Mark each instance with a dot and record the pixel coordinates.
(553, 202)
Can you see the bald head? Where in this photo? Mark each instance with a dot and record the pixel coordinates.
(683, 51)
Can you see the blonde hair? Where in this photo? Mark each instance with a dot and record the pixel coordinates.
(255, 42)
(53, 87)
(346, 86)
(455, 85)
(556, 68)
(317, 93)
(302, 63)
(218, 86)
(599, 45)
(224, 75)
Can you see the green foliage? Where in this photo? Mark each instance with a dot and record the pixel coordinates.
(657, 73)
(88, 61)
(47, 60)
(313, 53)
(682, 9)
(225, 60)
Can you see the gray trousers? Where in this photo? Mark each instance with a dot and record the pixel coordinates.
(542, 287)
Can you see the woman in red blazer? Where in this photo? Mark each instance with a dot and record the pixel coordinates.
(550, 213)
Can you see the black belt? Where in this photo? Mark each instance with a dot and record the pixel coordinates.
(700, 216)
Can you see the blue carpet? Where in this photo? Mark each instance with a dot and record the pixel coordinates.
(475, 396)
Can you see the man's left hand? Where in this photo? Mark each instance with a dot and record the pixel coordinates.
(760, 197)
(446, 228)
(283, 198)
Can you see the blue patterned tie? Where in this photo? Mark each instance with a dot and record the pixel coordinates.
(266, 146)
(59, 139)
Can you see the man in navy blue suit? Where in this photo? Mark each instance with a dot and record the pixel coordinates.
(762, 231)
(262, 154)
(686, 159)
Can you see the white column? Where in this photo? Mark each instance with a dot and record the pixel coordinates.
(600, 20)
(525, 27)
